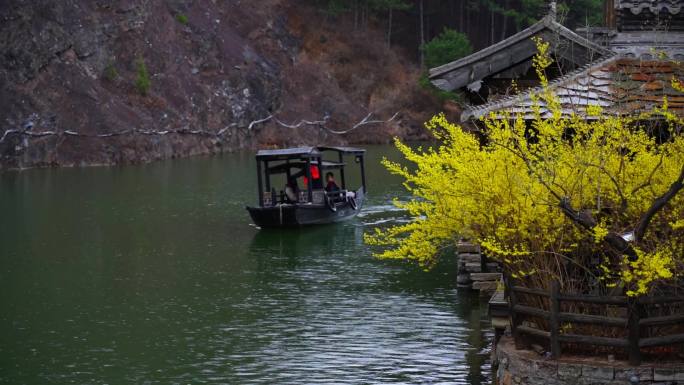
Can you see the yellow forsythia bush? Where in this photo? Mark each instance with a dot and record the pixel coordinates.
(590, 202)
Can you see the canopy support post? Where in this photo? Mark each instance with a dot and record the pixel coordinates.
(260, 184)
(268, 176)
(363, 174)
(309, 185)
(341, 159)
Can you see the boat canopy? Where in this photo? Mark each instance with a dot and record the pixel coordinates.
(288, 153)
(344, 150)
(305, 152)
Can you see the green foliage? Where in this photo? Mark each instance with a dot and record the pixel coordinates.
(577, 13)
(580, 13)
(334, 7)
(142, 82)
(446, 47)
(338, 7)
(110, 72)
(442, 95)
(181, 18)
(384, 5)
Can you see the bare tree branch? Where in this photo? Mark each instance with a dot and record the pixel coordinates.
(251, 124)
(657, 205)
(587, 221)
(364, 122)
(320, 123)
(650, 176)
(302, 123)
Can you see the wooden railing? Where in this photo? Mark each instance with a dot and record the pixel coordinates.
(634, 323)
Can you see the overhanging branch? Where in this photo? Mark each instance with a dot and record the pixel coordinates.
(587, 221)
(658, 205)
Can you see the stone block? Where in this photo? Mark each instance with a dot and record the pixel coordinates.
(472, 258)
(598, 372)
(569, 371)
(474, 267)
(546, 369)
(590, 381)
(484, 285)
(520, 366)
(500, 322)
(485, 276)
(624, 374)
(543, 380)
(467, 248)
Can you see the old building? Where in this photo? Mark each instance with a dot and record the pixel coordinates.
(625, 67)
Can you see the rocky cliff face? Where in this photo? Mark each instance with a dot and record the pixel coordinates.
(223, 75)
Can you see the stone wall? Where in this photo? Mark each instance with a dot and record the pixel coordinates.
(526, 367)
(473, 272)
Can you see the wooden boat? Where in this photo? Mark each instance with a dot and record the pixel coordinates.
(290, 206)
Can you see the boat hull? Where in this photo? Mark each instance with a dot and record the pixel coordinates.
(306, 214)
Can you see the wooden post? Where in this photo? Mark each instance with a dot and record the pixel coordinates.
(363, 174)
(512, 301)
(268, 176)
(609, 14)
(483, 262)
(633, 314)
(309, 186)
(340, 158)
(554, 323)
(260, 184)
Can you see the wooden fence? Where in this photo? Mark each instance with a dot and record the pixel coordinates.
(634, 323)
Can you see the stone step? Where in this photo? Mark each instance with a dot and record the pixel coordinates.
(467, 248)
(489, 286)
(485, 276)
(473, 267)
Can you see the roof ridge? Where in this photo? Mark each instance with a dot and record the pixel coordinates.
(545, 22)
(485, 51)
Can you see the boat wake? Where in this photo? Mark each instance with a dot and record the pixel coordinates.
(383, 214)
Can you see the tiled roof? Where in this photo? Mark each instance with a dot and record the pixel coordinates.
(654, 6)
(646, 45)
(621, 86)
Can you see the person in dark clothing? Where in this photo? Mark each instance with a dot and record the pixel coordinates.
(331, 186)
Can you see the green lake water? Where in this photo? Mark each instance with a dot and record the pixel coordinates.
(154, 274)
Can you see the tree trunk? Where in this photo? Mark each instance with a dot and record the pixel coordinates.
(364, 13)
(389, 28)
(466, 23)
(491, 25)
(422, 34)
(504, 21)
(426, 35)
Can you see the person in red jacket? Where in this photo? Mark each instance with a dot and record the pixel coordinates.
(315, 177)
